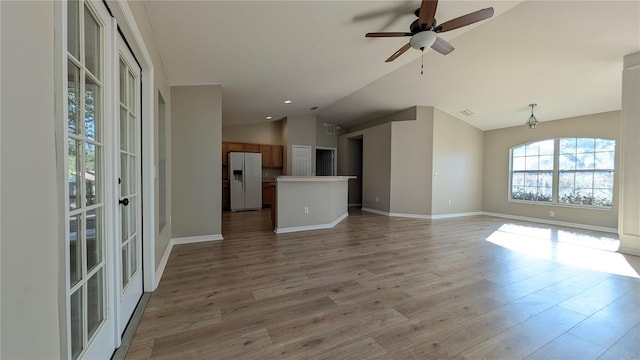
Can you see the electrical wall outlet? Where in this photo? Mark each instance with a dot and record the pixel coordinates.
(377, 199)
(449, 202)
(552, 213)
(306, 210)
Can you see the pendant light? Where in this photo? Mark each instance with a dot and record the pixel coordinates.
(532, 122)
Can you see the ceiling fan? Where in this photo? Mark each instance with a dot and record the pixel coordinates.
(424, 29)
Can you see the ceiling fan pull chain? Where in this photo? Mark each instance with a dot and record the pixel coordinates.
(422, 64)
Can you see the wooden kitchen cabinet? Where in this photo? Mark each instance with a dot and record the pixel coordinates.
(268, 194)
(252, 148)
(276, 156)
(225, 195)
(267, 155)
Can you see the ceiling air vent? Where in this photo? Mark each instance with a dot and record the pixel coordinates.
(467, 112)
(330, 129)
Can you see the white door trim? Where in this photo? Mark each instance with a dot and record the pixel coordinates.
(335, 157)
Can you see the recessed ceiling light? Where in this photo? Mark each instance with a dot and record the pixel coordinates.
(288, 101)
(314, 108)
(269, 117)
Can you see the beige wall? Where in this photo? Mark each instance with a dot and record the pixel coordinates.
(264, 133)
(411, 164)
(376, 167)
(196, 135)
(323, 139)
(326, 201)
(301, 130)
(31, 265)
(351, 150)
(457, 166)
(496, 167)
(629, 218)
(161, 84)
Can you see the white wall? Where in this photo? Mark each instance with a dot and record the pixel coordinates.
(196, 130)
(30, 250)
(263, 133)
(496, 167)
(376, 167)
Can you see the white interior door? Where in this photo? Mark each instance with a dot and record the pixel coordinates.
(89, 200)
(129, 259)
(301, 160)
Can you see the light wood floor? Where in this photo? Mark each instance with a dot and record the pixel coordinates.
(376, 287)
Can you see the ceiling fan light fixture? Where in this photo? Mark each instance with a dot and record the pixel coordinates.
(532, 122)
(423, 40)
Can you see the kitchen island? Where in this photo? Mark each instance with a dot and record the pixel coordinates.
(310, 202)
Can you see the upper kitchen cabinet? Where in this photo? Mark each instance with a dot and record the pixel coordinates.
(252, 148)
(271, 154)
(228, 147)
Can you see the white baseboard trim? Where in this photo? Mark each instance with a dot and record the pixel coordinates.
(180, 241)
(553, 222)
(196, 239)
(355, 204)
(312, 227)
(455, 215)
(379, 212)
(412, 216)
(629, 251)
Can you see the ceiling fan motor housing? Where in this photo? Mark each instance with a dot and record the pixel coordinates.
(423, 40)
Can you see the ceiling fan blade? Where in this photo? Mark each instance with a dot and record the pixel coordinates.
(388, 34)
(465, 20)
(442, 46)
(399, 52)
(427, 12)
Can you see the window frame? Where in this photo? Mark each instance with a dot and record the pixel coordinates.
(555, 190)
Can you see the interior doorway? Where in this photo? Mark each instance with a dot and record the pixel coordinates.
(326, 161)
(354, 167)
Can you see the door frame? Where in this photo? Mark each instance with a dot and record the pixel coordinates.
(334, 152)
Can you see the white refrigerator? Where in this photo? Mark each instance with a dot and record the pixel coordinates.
(245, 181)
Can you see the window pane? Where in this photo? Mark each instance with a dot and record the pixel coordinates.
(517, 179)
(532, 149)
(92, 110)
(603, 179)
(132, 134)
(95, 302)
(92, 174)
(544, 194)
(531, 179)
(603, 197)
(567, 146)
(566, 180)
(519, 151)
(123, 83)
(123, 128)
(132, 93)
(74, 173)
(76, 324)
(75, 251)
(132, 174)
(584, 180)
(133, 257)
(565, 195)
(585, 161)
(91, 43)
(605, 160)
(605, 145)
(124, 180)
(567, 162)
(531, 163)
(546, 162)
(546, 147)
(124, 218)
(132, 215)
(585, 145)
(125, 265)
(545, 179)
(73, 91)
(94, 238)
(518, 164)
(73, 36)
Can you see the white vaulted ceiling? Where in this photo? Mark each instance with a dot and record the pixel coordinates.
(564, 55)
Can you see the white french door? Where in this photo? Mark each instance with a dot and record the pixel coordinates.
(89, 280)
(129, 261)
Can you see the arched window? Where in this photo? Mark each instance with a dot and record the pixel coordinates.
(571, 171)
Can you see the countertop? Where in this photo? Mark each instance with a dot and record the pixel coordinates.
(314, 178)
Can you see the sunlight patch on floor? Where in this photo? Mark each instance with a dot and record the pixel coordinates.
(565, 247)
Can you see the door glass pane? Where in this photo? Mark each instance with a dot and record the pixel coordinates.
(73, 91)
(134, 255)
(95, 302)
(94, 238)
(132, 133)
(73, 36)
(124, 216)
(74, 174)
(132, 215)
(125, 265)
(123, 128)
(132, 174)
(123, 82)
(75, 252)
(124, 180)
(92, 174)
(76, 323)
(132, 93)
(92, 110)
(91, 43)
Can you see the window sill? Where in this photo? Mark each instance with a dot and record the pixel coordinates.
(562, 205)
